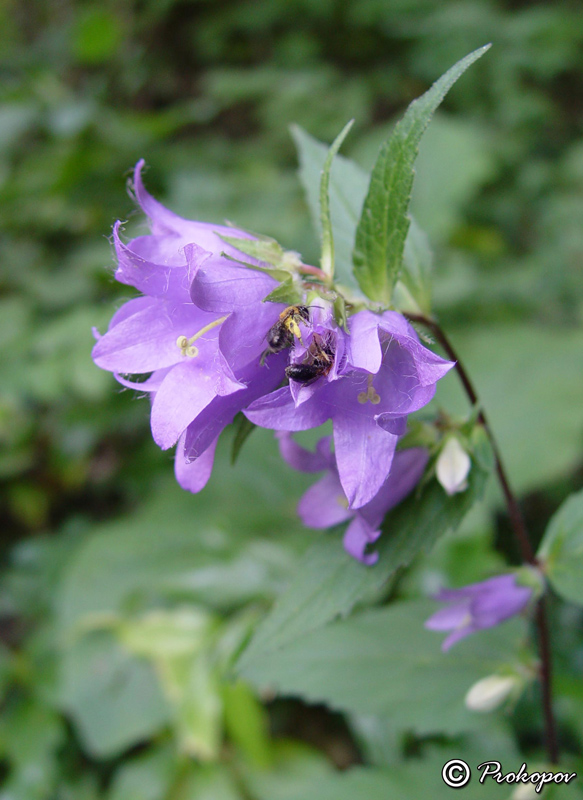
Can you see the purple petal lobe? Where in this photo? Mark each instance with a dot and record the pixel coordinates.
(364, 348)
(185, 391)
(222, 286)
(305, 460)
(172, 278)
(364, 454)
(193, 475)
(243, 334)
(277, 411)
(357, 538)
(146, 340)
(324, 504)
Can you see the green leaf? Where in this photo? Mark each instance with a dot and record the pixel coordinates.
(247, 724)
(327, 260)
(417, 777)
(417, 268)
(330, 583)
(561, 549)
(384, 223)
(148, 776)
(528, 377)
(113, 698)
(347, 190)
(243, 429)
(385, 662)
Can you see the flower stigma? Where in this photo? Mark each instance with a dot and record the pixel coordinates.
(187, 347)
(370, 394)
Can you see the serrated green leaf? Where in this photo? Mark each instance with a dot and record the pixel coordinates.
(561, 549)
(385, 662)
(384, 223)
(417, 267)
(347, 190)
(330, 583)
(327, 260)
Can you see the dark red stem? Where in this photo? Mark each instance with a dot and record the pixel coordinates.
(520, 532)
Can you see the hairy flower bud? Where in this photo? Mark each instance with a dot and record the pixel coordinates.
(491, 692)
(453, 466)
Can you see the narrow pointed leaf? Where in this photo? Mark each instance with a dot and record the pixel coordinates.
(347, 190)
(327, 261)
(384, 223)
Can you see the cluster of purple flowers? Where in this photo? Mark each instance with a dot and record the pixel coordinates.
(208, 345)
(197, 336)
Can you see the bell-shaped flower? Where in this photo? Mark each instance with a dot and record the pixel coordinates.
(325, 504)
(196, 388)
(478, 606)
(380, 374)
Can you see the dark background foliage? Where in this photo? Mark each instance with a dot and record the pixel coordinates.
(205, 92)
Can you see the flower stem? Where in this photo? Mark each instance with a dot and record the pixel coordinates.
(520, 532)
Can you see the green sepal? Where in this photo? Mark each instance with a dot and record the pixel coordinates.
(243, 429)
(340, 316)
(384, 222)
(327, 259)
(287, 292)
(263, 249)
(277, 274)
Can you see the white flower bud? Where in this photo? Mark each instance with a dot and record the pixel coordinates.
(491, 692)
(453, 466)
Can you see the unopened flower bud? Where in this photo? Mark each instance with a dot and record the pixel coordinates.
(453, 466)
(489, 693)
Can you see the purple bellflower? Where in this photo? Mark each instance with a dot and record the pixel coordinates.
(197, 336)
(477, 606)
(325, 504)
(196, 387)
(380, 374)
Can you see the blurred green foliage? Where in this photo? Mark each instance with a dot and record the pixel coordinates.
(98, 543)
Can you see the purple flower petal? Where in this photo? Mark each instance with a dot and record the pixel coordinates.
(357, 538)
(242, 337)
(184, 393)
(172, 278)
(277, 411)
(324, 504)
(406, 470)
(193, 475)
(305, 460)
(220, 285)
(146, 340)
(478, 606)
(364, 347)
(364, 454)
(221, 411)
(151, 384)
